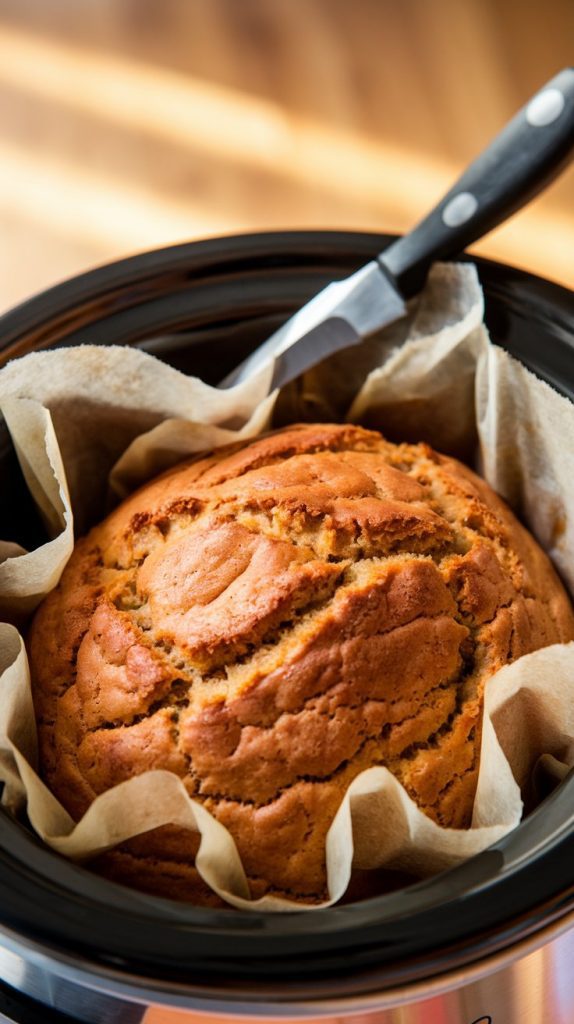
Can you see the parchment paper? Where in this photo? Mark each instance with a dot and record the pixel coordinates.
(91, 424)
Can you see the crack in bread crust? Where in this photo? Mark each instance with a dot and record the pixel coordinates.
(272, 619)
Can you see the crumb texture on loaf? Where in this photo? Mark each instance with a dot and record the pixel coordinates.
(271, 620)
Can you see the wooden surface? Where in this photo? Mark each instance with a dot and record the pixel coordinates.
(129, 124)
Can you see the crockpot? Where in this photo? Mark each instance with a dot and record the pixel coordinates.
(489, 942)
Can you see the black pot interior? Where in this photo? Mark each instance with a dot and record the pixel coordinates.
(202, 308)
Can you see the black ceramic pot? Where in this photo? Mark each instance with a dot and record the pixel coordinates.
(455, 949)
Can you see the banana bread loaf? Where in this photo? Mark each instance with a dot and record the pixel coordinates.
(270, 620)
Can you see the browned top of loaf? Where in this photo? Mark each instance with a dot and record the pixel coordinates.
(270, 620)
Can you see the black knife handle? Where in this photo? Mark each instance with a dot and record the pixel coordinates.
(527, 154)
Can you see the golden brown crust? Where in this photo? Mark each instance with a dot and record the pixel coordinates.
(270, 620)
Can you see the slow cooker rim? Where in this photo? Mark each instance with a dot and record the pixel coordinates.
(175, 266)
(265, 1000)
(248, 247)
(548, 829)
(32, 900)
(141, 267)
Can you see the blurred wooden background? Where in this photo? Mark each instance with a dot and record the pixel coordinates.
(130, 124)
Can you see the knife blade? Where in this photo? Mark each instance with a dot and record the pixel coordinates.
(341, 315)
(526, 155)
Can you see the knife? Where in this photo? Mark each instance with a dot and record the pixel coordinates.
(520, 161)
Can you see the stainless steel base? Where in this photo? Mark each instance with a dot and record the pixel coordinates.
(532, 983)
